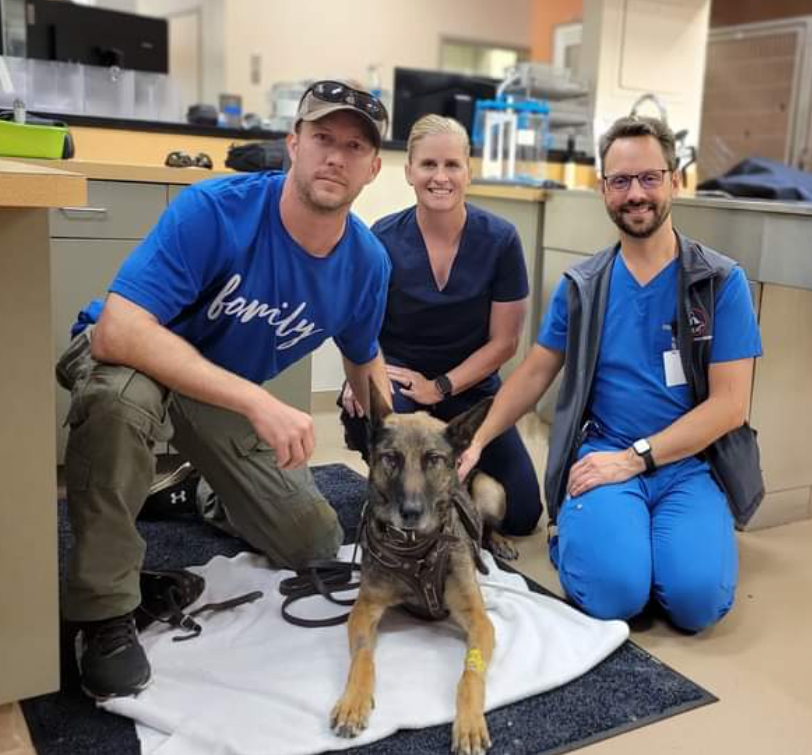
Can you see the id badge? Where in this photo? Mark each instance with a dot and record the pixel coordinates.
(674, 374)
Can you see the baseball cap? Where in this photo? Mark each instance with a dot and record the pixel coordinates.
(326, 97)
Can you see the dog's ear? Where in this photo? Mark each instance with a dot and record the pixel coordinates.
(460, 431)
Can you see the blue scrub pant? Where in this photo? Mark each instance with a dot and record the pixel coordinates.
(668, 535)
(505, 458)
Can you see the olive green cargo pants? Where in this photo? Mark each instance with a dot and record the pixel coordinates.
(117, 415)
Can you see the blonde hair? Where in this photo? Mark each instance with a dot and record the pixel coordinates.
(431, 125)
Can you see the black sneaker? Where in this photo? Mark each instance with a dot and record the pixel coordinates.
(172, 495)
(111, 661)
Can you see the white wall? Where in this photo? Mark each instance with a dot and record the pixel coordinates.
(213, 54)
(300, 39)
(631, 47)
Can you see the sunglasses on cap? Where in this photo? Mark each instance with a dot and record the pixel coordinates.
(336, 92)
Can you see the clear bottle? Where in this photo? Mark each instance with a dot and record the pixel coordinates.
(570, 166)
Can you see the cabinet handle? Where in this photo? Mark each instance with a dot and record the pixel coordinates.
(78, 212)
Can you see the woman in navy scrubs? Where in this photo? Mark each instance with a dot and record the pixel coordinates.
(456, 306)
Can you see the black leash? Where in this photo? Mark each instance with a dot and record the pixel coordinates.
(323, 577)
(320, 578)
(176, 617)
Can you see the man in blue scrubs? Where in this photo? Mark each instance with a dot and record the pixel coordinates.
(637, 511)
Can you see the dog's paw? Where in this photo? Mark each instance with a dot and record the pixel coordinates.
(502, 547)
(350, 715)
(470, 735)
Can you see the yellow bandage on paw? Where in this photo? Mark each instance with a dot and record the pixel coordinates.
(474, 661)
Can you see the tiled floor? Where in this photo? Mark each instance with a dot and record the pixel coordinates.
(758, 660)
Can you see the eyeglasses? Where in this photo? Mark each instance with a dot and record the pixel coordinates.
(335, 91)
(648, 179)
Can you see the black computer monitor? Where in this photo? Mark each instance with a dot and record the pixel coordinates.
(419, 92)
(96, 36)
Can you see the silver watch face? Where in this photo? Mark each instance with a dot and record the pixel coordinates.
(641, 446)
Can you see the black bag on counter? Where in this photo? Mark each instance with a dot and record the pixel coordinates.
(254, 156)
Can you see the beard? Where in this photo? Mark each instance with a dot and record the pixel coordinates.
(323, 202)
(659, 213)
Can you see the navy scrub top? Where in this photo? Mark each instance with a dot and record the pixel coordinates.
(433, 330)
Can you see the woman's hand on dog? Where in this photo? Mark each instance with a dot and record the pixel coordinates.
(414, 385)
(468, 460)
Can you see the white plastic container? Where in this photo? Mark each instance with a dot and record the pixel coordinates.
(499, 145)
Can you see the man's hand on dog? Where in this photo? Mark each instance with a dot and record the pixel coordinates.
(414, 385)
(601, 468)
(350, 403)
(288, 431)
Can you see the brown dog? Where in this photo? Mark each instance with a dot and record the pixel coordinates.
(421, 535)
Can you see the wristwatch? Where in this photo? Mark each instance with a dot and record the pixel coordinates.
(444, 385)
(643, 449)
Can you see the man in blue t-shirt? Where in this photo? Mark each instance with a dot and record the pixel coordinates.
(638, 514)
(241, 277)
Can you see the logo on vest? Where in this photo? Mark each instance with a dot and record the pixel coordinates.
(290, 327)
(698, 321)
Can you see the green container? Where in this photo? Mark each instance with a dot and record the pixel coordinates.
(25, 140)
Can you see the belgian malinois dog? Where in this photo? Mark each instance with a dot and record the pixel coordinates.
(421, 535)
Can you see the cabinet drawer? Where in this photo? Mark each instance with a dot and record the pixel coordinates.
(115, 210)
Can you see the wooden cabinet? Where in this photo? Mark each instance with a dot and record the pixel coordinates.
(29, 591)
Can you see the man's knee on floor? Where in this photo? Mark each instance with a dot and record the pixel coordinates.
(609, 592)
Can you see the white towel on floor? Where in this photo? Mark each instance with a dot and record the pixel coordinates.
(252, 684)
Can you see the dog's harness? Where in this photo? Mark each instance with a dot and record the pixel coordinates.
(421, 562)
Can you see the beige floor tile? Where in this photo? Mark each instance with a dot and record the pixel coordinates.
(14, 739)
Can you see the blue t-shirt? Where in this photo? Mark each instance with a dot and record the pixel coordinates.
(433, 330)
(220, 270)
(630, 397)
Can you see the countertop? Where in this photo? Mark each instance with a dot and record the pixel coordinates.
(123, 172)
(27, 185)
(193, 129)
(507, 191)
(720, 203)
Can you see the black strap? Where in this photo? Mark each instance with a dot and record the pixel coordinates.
(176, 617)
(323, 578)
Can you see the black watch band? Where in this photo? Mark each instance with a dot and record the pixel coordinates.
(444, 385)
(643, 449)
